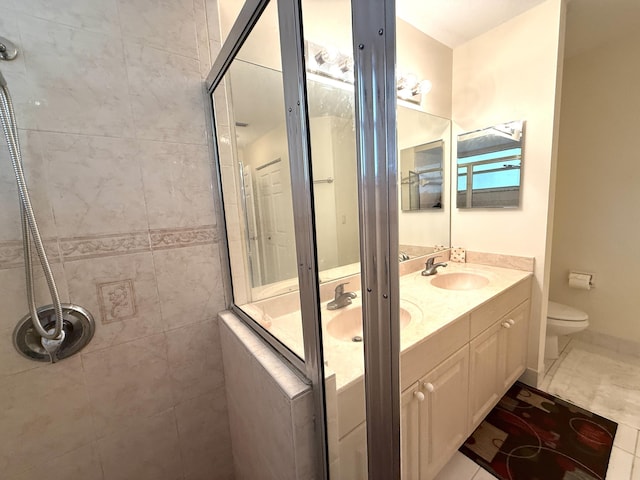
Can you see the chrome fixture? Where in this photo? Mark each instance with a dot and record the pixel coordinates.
(78, 327)
(341, 298)
(331, 63)
(431, 268)
(8, 50)
(48, 323)
(403, 257)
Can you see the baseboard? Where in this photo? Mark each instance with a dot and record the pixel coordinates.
(530, 377)
(617, 344)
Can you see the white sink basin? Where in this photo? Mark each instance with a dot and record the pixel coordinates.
(459, 281)
(347, 325)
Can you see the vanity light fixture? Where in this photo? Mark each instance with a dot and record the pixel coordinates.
(329, 62)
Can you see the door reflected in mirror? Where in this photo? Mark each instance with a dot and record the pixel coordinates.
(490, 166)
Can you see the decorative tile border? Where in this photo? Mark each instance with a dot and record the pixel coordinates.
(79, 248)
(12, 255)
(183, 237)
(103, 245)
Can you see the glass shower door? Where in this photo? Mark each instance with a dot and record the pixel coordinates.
(337, 105)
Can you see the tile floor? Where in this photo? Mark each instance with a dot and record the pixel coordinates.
(598, 379)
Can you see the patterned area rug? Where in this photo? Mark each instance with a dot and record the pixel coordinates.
(532, 435)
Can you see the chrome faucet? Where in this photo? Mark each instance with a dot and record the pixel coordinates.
(341, 298)
(431, 268)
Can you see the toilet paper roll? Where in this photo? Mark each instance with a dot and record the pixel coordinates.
(580, 281)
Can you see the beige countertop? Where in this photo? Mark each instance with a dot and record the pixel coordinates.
(431, 310)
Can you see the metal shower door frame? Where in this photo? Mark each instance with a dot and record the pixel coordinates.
(374, 63)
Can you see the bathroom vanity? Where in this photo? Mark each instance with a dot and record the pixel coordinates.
(457, 361)
(463, 344)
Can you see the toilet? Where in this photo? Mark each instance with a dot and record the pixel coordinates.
(562, 320)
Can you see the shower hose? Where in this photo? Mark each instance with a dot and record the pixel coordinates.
(51, 339)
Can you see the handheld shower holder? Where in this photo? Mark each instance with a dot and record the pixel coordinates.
(8, 51)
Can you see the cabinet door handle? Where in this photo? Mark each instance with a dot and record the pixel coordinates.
(428, 387)
(419, 396)
(506, 324)
(511, 322)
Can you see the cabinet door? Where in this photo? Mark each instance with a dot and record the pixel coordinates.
(486, 373)
(515, 343)
(443, 414)
(410, 433)
(353, 454)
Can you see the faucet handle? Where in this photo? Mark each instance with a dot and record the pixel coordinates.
(340, 288)
(431, 261)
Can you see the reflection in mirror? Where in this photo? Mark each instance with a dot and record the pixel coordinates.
(424, 141)
(422, 186)
(255, 174)
(265, 190)
(489, 166)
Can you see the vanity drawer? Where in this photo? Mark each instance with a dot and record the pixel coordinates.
(486, 315)
(426, 355)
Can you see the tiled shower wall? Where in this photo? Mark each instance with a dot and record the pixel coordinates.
(112, 124)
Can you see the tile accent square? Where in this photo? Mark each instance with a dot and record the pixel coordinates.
(117, 300)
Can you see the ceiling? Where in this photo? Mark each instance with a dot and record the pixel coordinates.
(454, 22)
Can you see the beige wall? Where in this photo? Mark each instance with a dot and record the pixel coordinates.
(111, 116)
(596, 226)
(510, 73)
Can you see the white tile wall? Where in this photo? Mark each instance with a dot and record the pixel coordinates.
(264, 395)
(108, 95)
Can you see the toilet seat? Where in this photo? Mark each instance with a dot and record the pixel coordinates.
(559, 311)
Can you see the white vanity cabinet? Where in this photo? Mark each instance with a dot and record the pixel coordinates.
(432, 425)
(480, 356)
(450, 381)
(515, 341)
(443, 419)
(498, 358)
(410, 402)
(486, 373)
(353, 454)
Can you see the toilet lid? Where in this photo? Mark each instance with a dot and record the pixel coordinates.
(565, 312)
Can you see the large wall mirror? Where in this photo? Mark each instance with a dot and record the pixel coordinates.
(264, 186)
(490, 166)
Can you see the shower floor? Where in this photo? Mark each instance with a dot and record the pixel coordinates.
(595, 378)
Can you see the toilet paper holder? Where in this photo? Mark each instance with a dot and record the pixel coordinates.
(582, 280)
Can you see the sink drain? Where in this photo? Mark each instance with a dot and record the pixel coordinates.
(78, 326)
(356, 339)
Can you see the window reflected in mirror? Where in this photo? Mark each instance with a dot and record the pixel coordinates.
(490, 166)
